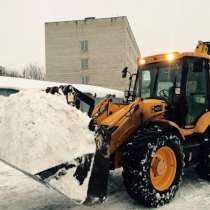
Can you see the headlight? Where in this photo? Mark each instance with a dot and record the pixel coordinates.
(170, 56)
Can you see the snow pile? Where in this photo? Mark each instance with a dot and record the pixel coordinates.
(25, 84)
(98, 91)
(41, 128)
(39, 131)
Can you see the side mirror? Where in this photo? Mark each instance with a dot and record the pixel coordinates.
(124, 72)
(126, 93)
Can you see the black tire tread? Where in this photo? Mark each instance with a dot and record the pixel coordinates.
(136, 165)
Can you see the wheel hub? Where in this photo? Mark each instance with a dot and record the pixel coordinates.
(159, 167)
(163, 168)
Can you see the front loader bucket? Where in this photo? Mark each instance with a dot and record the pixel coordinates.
(83, 180)
(70, 179)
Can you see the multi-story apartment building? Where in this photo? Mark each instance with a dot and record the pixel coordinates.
(90, 51)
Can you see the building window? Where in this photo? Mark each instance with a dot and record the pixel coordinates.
(84, 45)
(84, 63)
(85, 79)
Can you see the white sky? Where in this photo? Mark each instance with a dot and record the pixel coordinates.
(158, 25)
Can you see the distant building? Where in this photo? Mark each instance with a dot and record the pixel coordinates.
(90, 51)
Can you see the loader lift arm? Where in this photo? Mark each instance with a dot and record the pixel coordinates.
(73, 96)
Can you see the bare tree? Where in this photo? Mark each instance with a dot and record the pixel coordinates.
(9, 73)
(12, 74)
(2, 71)
(33, 71)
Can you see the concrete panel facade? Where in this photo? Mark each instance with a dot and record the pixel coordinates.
(91, 51)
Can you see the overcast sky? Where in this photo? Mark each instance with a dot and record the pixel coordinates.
(158, 25)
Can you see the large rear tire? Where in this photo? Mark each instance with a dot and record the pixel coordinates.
(153, 166)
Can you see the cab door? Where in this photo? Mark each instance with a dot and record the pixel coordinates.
(196, 89)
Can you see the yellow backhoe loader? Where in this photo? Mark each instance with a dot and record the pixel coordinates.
(163, 126)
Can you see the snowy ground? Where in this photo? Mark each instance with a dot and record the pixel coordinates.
(18, 192)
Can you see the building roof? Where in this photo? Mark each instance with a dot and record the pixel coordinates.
(95, 20)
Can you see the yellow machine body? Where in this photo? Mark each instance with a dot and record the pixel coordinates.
(124, 119)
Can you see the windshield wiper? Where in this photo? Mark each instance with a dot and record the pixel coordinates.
(173, 89)
(156, 81)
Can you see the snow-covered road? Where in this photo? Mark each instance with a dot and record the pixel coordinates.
(19, 192)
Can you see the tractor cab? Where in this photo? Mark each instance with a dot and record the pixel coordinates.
(180, 79)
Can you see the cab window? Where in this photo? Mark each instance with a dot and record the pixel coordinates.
(196, 89)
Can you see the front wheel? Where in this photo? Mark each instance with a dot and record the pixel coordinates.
(153, 171)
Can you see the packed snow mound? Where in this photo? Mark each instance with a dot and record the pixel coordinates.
(26, 84)
(38, 130)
